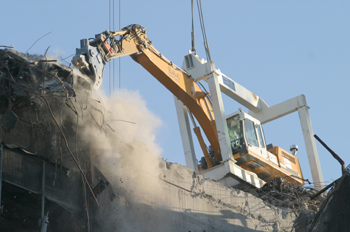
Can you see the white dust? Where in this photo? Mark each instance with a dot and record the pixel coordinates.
(122, 132)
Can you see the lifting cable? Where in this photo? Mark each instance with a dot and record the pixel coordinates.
(120, 60)
(112, 65)
(192, 34)
(113, 59)
(201, 19)
(206, 45)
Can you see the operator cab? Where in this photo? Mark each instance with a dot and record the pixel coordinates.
(245, 132)
(250, 152)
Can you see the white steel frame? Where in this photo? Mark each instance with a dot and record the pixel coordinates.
(220, 83)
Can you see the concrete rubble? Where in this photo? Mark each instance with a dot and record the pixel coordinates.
(230, 209)
(88, 185)
(37, 135)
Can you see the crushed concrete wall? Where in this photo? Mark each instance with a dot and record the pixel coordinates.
(186, 201)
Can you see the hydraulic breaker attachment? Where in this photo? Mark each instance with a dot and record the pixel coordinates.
(93, 54)
(89, 61)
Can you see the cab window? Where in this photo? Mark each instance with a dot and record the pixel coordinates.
(261, 141)
(235, 132)
(250, 133)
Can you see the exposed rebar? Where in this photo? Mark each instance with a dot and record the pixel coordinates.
(332, 152)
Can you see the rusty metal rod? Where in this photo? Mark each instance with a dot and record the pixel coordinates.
(324, 189)
(332, 152)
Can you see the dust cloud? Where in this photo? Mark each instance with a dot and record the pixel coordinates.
(123, 133)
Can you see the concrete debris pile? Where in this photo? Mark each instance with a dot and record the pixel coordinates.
(28, 72)
(39, 112)
(325, 212)
(293, 196)
(37, 103)
(297, 198)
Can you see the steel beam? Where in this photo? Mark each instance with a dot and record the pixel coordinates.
(220, 118)
(270, 113)
(311, 149)
(202, 69)
(240, 94)
(186, 135)
(218, 82)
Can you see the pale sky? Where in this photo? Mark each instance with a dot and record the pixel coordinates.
(276, 49)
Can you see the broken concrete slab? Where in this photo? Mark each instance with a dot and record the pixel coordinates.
(186, 201)
(256, 214)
